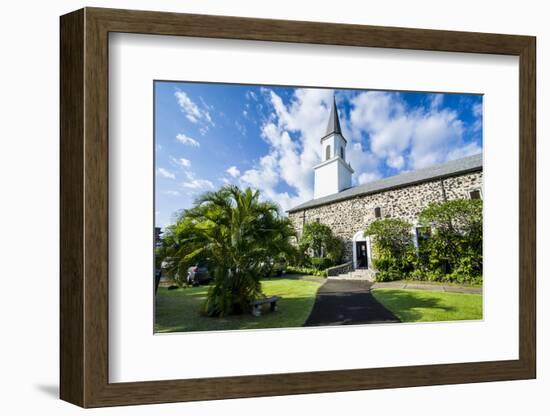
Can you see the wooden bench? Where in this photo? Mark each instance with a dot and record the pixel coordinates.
(257, 305)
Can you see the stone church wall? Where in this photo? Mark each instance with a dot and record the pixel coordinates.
(347, 217)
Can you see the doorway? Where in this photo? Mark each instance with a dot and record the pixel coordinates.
(361, 253)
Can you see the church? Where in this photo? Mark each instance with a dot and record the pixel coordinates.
(348, 210)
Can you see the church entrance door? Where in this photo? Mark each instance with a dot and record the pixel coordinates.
(361, 253)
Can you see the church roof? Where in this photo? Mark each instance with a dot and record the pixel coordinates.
(333, 125)
(453, 168)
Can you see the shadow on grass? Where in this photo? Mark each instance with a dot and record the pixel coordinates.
(425, 306)
(179, 310)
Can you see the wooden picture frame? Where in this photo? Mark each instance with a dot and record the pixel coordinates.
(84, 207)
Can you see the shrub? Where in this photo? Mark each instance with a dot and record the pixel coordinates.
(306, 270)
(394, 254)
(320, 263)
(319, 240)
(454, 251)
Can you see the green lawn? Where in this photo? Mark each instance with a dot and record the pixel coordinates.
(425, 306)
(435, 283)
(178, 310)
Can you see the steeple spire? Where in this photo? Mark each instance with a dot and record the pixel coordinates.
(333, 121)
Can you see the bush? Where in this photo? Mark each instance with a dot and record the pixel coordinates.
(306, 270)
(320, 263)
(450, 248)
(388, 276)
(319, 240)
(454, 251)
(394, 254)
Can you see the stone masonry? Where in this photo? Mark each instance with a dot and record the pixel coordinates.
(347, 217)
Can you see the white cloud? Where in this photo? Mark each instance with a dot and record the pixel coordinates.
(198, 184)
(233, 171)
(196, 114)
(435, 134)
(172, 193)
(182, 138)
(436, 101)
(240, 127)
(193, 182)
(166, 173)
(477, 111)
(251, 95)
(191, 110)
(187, 106)
(381, 129)
(407, 138)
(367, 177)
(181, 162)
(293, 132)
(469, 149)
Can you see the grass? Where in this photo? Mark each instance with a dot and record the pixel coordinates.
(435, 283)
(178, 310)
(425, 306)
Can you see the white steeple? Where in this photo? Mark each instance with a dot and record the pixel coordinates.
(333, 174)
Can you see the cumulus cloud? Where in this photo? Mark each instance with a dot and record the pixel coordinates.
(467, 150)
(293, 132)
(233, 171)
(408, 138)
(165, 173)
(182, 138)
(385, 136)
(367, 177)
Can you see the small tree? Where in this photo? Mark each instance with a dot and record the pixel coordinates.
(394, 254)
(455, 250)
(324, 247)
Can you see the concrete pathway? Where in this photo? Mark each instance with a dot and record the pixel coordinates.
(345, 302)
(429, 287)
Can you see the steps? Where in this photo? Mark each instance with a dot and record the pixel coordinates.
(357, 274)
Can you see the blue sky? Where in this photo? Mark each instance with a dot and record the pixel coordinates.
(267, 137)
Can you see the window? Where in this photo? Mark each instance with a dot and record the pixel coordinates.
(327, 152)
(423, 234)
(378, 212)
(475, 194)
(342, 153)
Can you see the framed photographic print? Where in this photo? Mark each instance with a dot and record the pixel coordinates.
(256, 207)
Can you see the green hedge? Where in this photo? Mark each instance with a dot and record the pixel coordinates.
(306, 270)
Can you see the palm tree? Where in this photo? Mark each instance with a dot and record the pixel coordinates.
(236, 235)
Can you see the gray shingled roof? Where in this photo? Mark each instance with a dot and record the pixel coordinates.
(453, 168)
